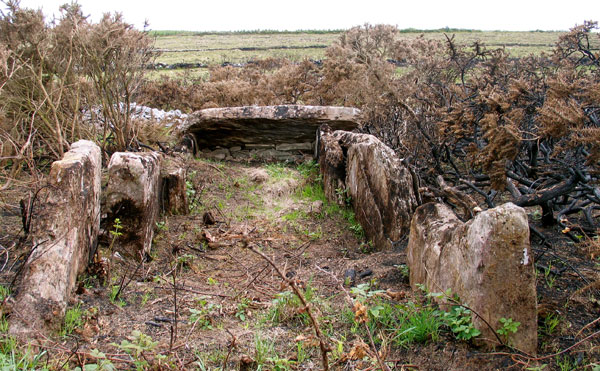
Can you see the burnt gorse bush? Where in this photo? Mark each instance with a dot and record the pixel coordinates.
(51, 72)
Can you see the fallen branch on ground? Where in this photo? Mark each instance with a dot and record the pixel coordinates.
(325, 348)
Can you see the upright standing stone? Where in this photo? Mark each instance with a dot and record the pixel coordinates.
(132, 196)
(380, 185)
(487, 262)
(173, 187)
(332, 165)
(64, 227)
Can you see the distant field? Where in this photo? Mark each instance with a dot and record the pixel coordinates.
(240, 47)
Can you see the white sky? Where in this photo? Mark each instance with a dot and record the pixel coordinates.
(231, 15)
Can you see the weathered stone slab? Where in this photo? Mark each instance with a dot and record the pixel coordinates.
(381, 186)
(272, 154)
(173, 187)
(233, 126)
(258, 146)
(132, 196)
(307, 146)
(65, 230)
(332, 165)
(487, 262)
(218, 154)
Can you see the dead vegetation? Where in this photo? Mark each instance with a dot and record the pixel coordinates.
(51, 73)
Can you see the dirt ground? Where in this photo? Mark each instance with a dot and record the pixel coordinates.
(206, 300)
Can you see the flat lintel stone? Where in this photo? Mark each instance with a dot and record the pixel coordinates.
(237, 126)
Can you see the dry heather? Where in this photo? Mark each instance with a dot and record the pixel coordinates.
(51, 73)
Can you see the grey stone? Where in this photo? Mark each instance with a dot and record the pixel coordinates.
(235, 149)
(173, 186)
(487, 262)
(272, 154)
(132, 195)
(235, 126)
(259, 176)
(218, 154)
(380, 185)
(241, 155)
(259, 146)
(64, 229)
(307, 146)
(316, 207)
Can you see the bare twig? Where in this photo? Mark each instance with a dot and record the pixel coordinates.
(175, 309)
(530, 358)
(123, 285)
(183, 288)
(231, 346)
(325, 347)
(350, 301)
(587, 326)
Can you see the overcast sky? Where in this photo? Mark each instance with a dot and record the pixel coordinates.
(231, 15)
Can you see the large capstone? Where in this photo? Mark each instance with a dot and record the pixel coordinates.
(487, 262)
(65, 223)
(271, 125)
(132, 200)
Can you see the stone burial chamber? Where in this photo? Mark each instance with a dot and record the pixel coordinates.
(278, 133)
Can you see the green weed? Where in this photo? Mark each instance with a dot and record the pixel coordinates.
(508, 327)
(309, 170)
(161, 226)
(203, 316)
(73, 320)
(278, 171)
(458, 319)
(102, 363)
(550, 323)
(293, 216)
(4, 293)
(263, 349)
(114, 292)
(312, 192)
(13, 357)
(145, 297)
(286, 304)
(137, 346)
(565, 363)
(115, 233)
(242, 308)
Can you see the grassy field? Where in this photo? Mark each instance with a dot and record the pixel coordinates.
(240, 47)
